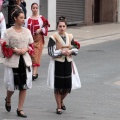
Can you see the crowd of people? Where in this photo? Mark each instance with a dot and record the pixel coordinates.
(22, 45)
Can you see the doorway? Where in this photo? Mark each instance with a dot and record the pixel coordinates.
(97, 11)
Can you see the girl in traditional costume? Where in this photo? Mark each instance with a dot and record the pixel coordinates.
(38, 26)
(17, 48)
(62, 72)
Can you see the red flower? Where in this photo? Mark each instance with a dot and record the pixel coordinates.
(7, 50)
(76, 44)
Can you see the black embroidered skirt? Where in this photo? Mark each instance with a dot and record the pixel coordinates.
(63, 80)
(20, 76)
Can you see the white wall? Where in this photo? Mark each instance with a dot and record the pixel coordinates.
(118, 3)
(51, 11)
(52, 14)
(28, 6)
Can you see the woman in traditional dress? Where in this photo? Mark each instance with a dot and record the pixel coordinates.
(17, 48)
(38, 26)
(62, 72)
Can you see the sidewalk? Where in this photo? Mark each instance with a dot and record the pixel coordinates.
(83, 33)
(90, 32)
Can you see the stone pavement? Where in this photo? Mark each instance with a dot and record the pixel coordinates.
(86, 34)
(98, 99)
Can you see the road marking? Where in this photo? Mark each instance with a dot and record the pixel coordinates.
(9, 119)
(100, 40)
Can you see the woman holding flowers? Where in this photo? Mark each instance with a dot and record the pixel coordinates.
(62, 72)
(38, 26)
(17, 48)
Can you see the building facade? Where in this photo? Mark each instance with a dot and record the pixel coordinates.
(81, 11)
(101, 11)
(76, 11)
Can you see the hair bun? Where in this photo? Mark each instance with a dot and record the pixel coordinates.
(62, 18)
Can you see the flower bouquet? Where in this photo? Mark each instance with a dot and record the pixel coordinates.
(7, 50)
(76, 44)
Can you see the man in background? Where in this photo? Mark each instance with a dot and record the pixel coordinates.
(22, 6)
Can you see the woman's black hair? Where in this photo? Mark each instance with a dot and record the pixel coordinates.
(34, 4)
(16, 13)
(62, 19)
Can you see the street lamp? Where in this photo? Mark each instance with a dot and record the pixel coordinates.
(11, 8)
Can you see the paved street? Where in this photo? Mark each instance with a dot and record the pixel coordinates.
(98, 64)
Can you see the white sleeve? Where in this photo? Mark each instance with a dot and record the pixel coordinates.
(26, 22)
(3, 26)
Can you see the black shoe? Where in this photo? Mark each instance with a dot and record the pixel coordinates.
(20, 114)
(63, 106)
(34, 77)
(58, 111)
(8, 108)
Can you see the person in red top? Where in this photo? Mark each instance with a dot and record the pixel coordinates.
(38, 26)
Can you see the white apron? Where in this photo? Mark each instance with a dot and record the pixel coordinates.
(9, 81)
(76, 83)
